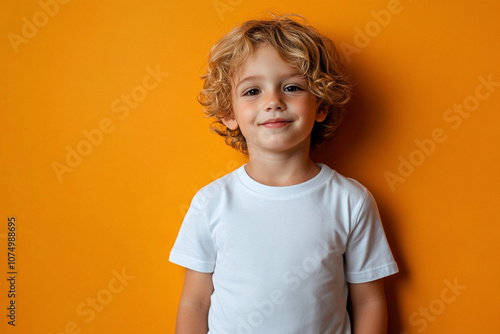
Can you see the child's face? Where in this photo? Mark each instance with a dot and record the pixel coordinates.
(272, 104)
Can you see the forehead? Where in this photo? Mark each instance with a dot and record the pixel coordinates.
(263, 61)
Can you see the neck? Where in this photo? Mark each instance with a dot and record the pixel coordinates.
(281, 169)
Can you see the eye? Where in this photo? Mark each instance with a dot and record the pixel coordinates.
(292, 88)
(251, 92)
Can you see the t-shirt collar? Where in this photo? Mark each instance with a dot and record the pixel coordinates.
(285, 191)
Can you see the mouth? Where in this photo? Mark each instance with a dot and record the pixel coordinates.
(276, 123)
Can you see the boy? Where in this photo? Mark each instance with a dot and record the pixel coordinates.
(276, 246)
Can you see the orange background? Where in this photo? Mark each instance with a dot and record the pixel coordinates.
(116, 211)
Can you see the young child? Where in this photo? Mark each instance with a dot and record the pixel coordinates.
(276, 246)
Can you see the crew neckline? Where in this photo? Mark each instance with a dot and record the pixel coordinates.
(284, 191)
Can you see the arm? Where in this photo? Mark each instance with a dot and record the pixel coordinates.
(369, 310)
(192, 317)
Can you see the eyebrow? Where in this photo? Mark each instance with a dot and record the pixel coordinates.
(256, 77)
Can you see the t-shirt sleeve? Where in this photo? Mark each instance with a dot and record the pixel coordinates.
(194, 247)
(368, 256)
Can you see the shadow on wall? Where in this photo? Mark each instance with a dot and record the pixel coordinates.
(365, 116)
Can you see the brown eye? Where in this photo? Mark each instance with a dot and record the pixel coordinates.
(292, 88)
(251, 92)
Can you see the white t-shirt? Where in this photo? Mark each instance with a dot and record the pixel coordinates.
(281, 257)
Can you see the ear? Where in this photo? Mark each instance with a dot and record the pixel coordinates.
(321, 115)
(230, 122)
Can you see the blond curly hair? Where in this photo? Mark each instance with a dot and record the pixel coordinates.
(300, 45)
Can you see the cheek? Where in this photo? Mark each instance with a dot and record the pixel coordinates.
(240, 117)
(309, 108)
(244, 110)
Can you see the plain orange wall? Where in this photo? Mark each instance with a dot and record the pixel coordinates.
(94, 232)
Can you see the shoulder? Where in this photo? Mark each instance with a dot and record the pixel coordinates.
(349, 195)
(215, 191)
(346, 187)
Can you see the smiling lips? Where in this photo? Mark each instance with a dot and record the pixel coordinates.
(275, 123)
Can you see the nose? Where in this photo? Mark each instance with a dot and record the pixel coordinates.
(273, 101)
